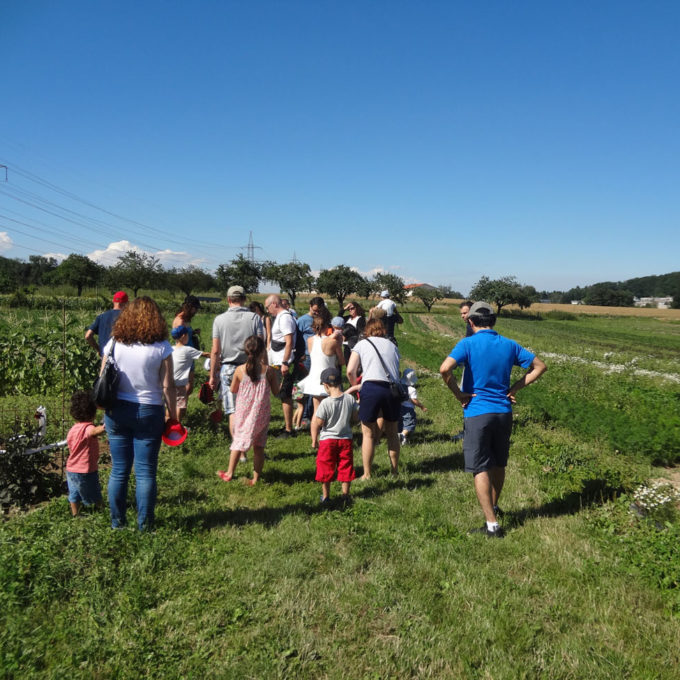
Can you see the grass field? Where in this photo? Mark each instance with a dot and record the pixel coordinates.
(261, 583)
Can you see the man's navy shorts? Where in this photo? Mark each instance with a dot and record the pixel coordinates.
(486, 441)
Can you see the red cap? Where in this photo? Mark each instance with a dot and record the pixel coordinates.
(120, 296)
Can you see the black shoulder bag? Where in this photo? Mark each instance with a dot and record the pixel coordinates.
(397, 389)
(105, 387)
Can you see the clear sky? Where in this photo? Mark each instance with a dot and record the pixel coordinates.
(438, 140)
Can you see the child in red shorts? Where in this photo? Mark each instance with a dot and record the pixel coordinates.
(332, 433)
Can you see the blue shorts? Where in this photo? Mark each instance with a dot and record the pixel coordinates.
(486, 441)
(84, 486)
(407, 419)
(377, 400)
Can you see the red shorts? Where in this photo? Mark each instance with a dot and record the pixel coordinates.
(335, 454)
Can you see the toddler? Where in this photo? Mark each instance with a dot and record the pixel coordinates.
(183, 355)
(332, 433)
(82, 466)
(407, 413)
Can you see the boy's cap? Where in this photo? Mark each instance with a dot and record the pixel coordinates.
(385, 294)
(483, 307)
(337, 322)
(330, 376)
(236, 291)
(179, 332)
(120, 296)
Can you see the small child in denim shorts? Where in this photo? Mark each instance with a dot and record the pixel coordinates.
(82, 466)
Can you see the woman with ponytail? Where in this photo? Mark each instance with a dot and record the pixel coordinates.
(254, 382)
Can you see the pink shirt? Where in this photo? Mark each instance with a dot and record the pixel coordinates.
(83, 449)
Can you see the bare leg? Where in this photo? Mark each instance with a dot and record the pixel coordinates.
(287, 406)
(316, 401)
(325, 489)
(380, 422)
(258, 462)
(233, 460)
(497, 475)
(369, 434)
(75, 508)
(483, 491)
(393, 444)
(231, 425)
(345, 488)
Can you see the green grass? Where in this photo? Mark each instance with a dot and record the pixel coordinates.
(260, 583)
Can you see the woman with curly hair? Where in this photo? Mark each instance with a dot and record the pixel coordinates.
(139, 345)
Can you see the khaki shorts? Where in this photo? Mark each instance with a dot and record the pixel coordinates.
(182, 396)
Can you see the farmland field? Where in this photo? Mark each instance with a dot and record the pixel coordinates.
(261, 583)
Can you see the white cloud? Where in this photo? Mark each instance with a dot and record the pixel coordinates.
(168, 258)
(6, 242)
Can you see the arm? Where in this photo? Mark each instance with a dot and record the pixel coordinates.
(215, 363)
(89, 339)
(315, 429)
(446, 372)
(353, 389)
(419, 404)
(95, 430)
(287, 353)
(274, 380)
(236, 379)
(268, 331)
(353, 368)
(169, 390)
(536, 370)
(337, 339)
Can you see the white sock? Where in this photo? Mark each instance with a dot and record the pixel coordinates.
(492, 526)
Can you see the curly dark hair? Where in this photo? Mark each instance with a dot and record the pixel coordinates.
(83, 407)
(141, 321)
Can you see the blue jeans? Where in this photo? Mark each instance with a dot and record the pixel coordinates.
(134, 432)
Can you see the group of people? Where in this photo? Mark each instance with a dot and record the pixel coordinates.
(252, 359)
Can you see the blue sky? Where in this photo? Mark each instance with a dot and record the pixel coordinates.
(441, 141)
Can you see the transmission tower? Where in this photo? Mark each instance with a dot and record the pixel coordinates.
(250, 249)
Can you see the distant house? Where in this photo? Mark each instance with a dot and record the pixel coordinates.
(412, 287)
(658, 302)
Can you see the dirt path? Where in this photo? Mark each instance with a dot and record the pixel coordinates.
(437, 327)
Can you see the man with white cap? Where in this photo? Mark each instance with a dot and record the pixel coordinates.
(390, 307)
(230, 331)
(102, 325)
(487, 399)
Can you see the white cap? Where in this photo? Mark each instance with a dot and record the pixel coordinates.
(385, 293)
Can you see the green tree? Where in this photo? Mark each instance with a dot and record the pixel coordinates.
(188, 279)
(392, 283)
(339, 282)
(39, 269)
(76, 270)
(502, 292)
(239, 272)
(135, 270)
(526, 296)
(608, 294)
(292, 277)
(427, 295)
(449, 292)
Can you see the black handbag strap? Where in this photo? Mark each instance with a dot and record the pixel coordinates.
(390, 379)
(109, 355)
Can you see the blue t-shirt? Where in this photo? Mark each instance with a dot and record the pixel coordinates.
(103, 325)
(304, 323)
(488, 359)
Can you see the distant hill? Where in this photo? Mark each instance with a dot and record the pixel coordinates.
(660, 285)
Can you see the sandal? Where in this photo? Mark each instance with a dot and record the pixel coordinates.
(224, 476)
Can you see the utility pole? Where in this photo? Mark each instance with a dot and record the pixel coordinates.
(250, 249)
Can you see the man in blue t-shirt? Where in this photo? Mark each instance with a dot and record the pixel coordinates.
(487, 399)
(103, 324)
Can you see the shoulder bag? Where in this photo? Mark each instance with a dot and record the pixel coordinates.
(105, 387)
(397, 389)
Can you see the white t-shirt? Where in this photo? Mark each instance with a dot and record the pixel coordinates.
(370, 363)
(182, 360)
(389, 306)
(140, 370)
(284, 324)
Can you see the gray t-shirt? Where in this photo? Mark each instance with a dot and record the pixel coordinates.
(370, 363)
(233, 328)
(336, 413)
